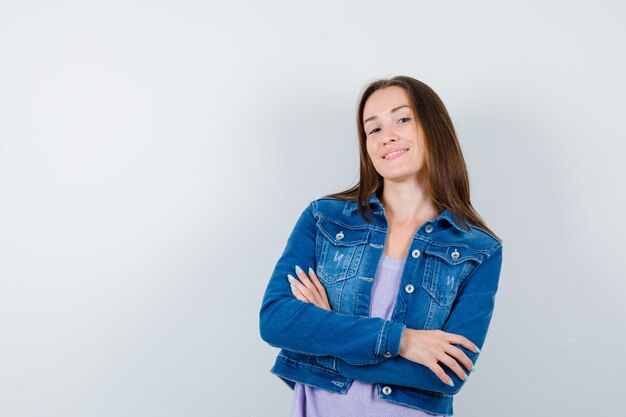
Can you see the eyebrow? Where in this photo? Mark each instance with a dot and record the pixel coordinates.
(392, 110)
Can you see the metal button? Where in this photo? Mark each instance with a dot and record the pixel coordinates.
(387, 355)
(409, 288)
(339, 236)
(428, 228)
(415, 253)
(386, 390)
(455, 255)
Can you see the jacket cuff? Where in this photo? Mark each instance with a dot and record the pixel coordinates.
(389, 340)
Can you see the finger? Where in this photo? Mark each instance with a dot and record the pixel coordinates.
(451, 363)
(303, 290)
(461, 357)
(298, 294)
(438, 370)
(305, 279)
(316, 281)
(320, 289)
(463, 341)
(310, 290)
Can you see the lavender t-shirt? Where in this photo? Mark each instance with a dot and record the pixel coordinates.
(362, 398)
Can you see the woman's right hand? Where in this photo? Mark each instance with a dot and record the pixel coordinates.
(427, 347)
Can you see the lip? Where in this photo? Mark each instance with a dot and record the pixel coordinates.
(394, 156)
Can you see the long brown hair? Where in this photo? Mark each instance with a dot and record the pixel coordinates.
(446, 175)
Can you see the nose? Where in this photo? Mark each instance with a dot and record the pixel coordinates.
(388, 132)
(390, 137)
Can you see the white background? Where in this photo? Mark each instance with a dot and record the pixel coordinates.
(155, 155)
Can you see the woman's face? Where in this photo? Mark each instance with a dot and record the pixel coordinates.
(390, 126)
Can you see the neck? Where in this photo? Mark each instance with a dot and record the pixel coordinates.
(407, 203)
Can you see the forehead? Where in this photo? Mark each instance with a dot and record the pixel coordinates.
(384, 100)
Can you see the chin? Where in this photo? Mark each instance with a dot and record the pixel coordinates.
(399, 176)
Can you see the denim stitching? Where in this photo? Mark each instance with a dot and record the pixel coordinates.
(308, 364)
(347, 226)
(459, 245)
(342, 283)
(494, 248)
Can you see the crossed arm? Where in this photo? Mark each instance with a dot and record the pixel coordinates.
(360, 342)
(289, 323)
(470, 316)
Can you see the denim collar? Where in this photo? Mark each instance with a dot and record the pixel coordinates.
(377, 207)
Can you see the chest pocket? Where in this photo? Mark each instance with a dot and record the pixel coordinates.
(340, 248)
(446, 266)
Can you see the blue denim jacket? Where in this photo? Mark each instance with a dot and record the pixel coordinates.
(449, 282)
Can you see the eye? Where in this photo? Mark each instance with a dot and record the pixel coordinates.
(372, 131)
(407, 118)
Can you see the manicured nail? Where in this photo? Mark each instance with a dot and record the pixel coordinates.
(465, 376)
(298, 269)
(451, 383)
(290, 277)
(473, 369)
(293, 287)
(311, 271)
(477, 349)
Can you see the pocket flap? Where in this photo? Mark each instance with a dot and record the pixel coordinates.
(453, 255)
(342, 235)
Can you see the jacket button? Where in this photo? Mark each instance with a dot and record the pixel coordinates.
(386, 390)
(409, 288)
(428, 228)
(387, 355)
(415, 253)
(339, 236)
(455, 255)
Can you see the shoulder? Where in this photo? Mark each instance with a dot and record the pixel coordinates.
(485, 239)
(331, 207)
(478, 242)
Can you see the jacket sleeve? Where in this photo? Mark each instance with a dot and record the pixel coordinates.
(469, 316)
(292, 324)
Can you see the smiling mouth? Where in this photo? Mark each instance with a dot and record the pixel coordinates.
(395, 154)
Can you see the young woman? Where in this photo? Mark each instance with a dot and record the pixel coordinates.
(402, 272)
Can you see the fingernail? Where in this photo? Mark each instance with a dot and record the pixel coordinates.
(451, 383)
(473, 369)
(477, 349)
(465, 376)
(311, 271)
(290, 277)
(298, 269)
(293, 287)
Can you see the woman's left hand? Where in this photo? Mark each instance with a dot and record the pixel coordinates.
(310, 290)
